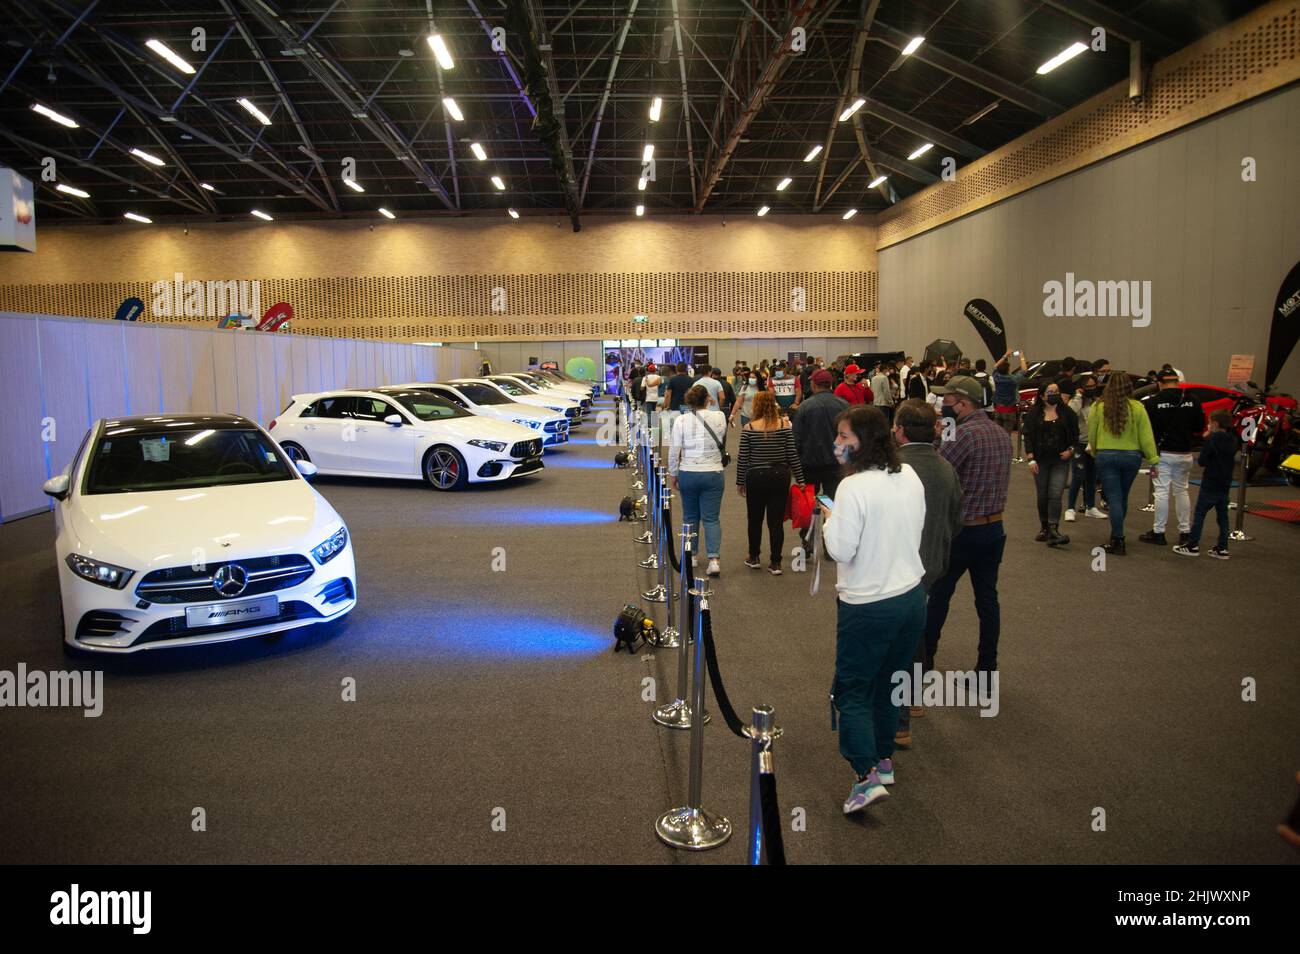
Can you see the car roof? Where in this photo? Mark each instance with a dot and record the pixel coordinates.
(213, 421)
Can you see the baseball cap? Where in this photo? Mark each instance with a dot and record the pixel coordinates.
(853, 369)
(965, 386)
(822, 377)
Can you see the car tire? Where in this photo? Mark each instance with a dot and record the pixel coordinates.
(295, 452)
(444, 468)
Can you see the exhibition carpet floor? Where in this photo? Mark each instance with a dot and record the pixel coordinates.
(487, 695)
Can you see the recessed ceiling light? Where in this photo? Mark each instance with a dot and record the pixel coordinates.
(262, 215)
(1069, 53)
(648, 152)
(137, 218)
(385, 213)
(354, 185)
(656, 107)
(496, 181)
(813, 153)
(71, 191)
(513, 213)
(59, 118)
(478, 151)
(780, 186)
(849, 214)
(449, 104)
(162, 50)
(876, 181)
(912, 45)
(440, 51)
(153, 160)
(853, 108)
(406, 53)
(256, 113)
(921, 151)
(640, 210)
(764, 210)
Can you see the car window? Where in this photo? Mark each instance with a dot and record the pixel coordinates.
(510, 387)
(371, 409)
(428, 406)
(483, 394)
(181, 458)
(452, 396)
(336, 406)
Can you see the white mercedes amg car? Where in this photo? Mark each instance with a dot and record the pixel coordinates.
(487, 401)
(183, 529)
(515, 391)
(547, 383)
(404, 432)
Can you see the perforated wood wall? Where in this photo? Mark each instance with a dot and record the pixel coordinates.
(470, 280)
(1255, 55)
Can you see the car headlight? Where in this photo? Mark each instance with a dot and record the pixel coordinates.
(105, 574)
(497, 446)
(331, 547)
(533, 424)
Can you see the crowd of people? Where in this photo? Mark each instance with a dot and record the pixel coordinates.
(912, 464)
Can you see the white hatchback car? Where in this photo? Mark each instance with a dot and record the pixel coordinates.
(184, 529)
(515, 391)
(487, 401)
(404, 432)
(547, 383)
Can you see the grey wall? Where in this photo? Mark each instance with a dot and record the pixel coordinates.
(1174, 212)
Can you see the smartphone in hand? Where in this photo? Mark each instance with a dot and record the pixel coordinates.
(825, 501)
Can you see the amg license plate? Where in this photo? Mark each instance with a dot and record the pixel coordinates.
(245, 611)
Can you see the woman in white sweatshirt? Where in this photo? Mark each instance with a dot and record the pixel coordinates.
(874, 536)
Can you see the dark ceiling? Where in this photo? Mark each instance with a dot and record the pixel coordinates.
(356, 79)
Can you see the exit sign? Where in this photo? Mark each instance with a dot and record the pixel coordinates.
(640, 319)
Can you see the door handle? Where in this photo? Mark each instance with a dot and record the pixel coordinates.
(309, 427)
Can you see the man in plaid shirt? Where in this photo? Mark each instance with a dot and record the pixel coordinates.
(980, 451)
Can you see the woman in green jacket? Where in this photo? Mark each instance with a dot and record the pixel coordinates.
(1119, 434)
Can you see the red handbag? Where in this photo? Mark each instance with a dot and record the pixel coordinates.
(799, 506)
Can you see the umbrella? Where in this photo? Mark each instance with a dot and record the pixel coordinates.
(942, 348)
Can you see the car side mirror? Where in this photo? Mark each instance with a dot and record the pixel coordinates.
(306, 468)
(57, 487)
(394, 419)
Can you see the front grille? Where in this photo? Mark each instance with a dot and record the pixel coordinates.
(175, 627)
(102, 623)
(336, 591)
(526, 449)
(183, 584)
(571, 412)
(553, 427)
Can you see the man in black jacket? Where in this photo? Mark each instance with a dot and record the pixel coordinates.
(1175, 420)
(814, 434)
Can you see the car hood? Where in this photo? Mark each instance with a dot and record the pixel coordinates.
(527, 412)
(479, 427)
(146, 530)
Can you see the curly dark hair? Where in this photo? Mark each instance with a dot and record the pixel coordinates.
(876, 447)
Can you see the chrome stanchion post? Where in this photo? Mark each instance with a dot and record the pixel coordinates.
(677, 714)
(659, 592)
(763, 731)
(693, 827)
(1240, 532)
(653, 519)
(647, 534)
(670, 638)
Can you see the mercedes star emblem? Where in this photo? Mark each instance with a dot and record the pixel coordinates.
(231, 579)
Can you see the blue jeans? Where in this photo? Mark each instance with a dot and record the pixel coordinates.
(1117, 469)
(979, 550)
(1210, 499)
(702, 503)
(1084, 478)
(872, 642)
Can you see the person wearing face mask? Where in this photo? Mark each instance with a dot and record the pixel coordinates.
(1084, 466)
(783, 389)
(980, 451)
(853, 390)
(1051, 431)
(873, 533)
(744, 408)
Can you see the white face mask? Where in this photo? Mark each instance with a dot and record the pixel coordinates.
(842, 453)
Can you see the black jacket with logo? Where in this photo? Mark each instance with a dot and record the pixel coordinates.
(1175, 420)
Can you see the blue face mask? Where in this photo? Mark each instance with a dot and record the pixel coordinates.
(779, 374)
(842, 453)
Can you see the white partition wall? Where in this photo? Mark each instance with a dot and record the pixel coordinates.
(59, 375)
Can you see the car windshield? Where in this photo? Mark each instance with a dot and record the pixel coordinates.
(175, 458)
(483, 394)
(427, 406)
(536, 380)
(510, 387)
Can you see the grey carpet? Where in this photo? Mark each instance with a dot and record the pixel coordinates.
(480, 690)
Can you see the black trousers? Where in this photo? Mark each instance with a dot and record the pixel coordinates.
(767, 490)
(824, 479)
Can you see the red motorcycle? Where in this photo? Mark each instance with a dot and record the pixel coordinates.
(1266, 423)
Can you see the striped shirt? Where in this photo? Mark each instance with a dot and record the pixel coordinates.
(980, 451)
(775, 448)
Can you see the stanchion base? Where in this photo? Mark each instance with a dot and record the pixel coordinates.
(652, 563)
(1240, 535)
(676, 715)
(670, 638)
(694, 829)
(657, 595)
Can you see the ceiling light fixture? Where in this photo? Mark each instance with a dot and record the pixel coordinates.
(253, 111)
(921, 151)
(640, 210)
(479, 154)
(857, 104)
(263, 216)
(204, 185)
(813, 153)
(449, 104)
(912, 45)
(1069, 53)
(648, 152)
(354, 185)
(153, 160)
(876, 181)
(79, 193)
(640, 184)
(496, 181)
(780, 186)
(849, 214)
(441, 52)
(162, 50)
(137, 218)
(764, 210)
(59, 118)
(385, 213)
(513, 213)
(656, 107)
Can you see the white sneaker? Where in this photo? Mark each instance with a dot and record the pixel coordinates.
(1069, 515)
(715, 568)
(1094, 512)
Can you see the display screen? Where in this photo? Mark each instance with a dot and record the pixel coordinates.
(126, 459)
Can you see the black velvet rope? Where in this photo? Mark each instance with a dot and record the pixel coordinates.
(771, 820)
(715, 678)
(668, 542)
